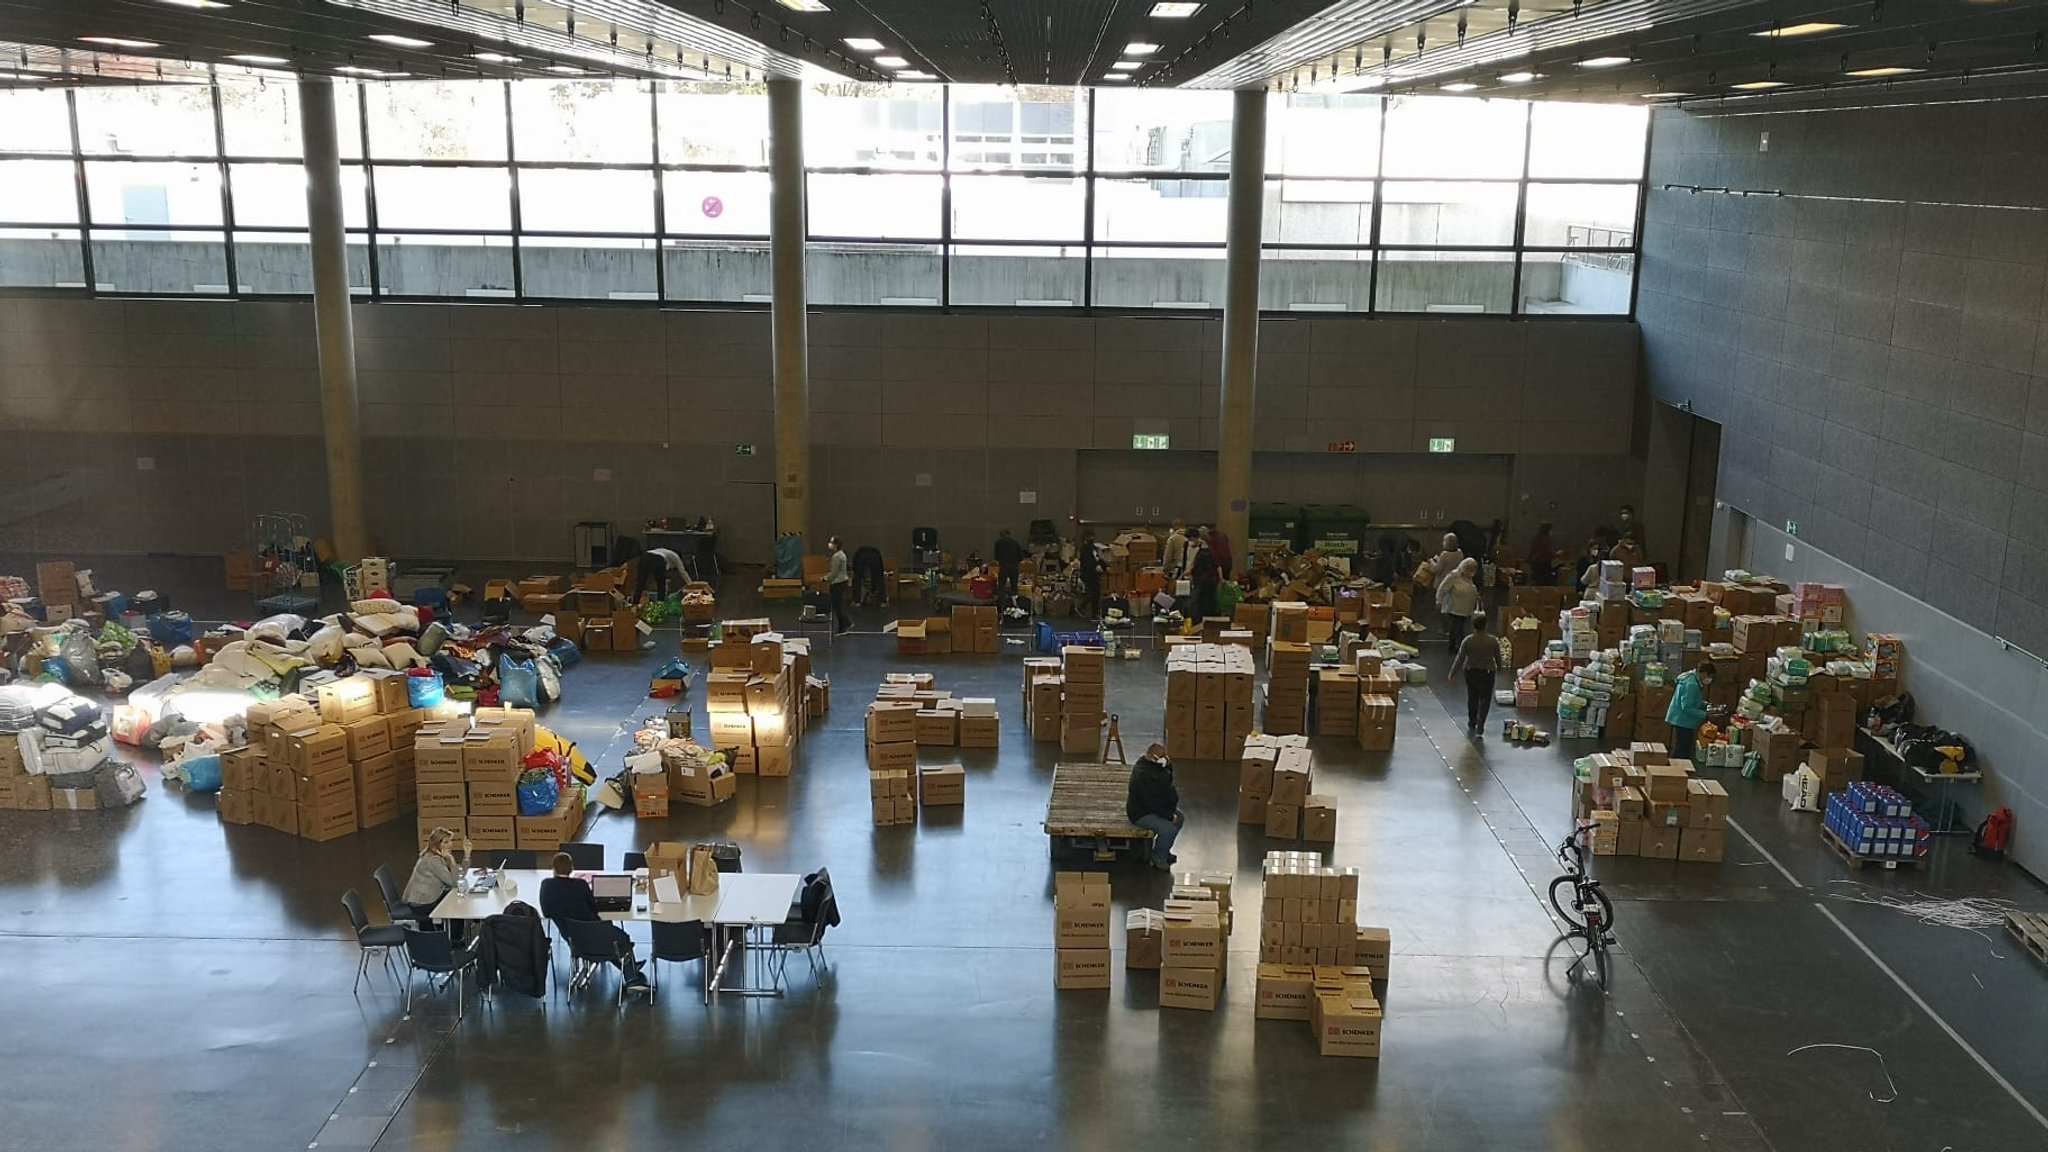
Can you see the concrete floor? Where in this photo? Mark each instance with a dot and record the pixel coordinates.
(181, 984)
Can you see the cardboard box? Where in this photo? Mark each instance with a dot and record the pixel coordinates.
(1285, 992)
(491, 757)
(1144, 938)
(941, 785)
(1347, 1022)
(979, 731)
(238, 769)
(1628, 840)
(1702, 845)
(236, 807)
(322, 822)
(1319, 818)
(1081, 910)
(428, 827)
(937, 728)
(1195, 988)
(332, 786)
(773, 759)
(368, 738)
(1374, 948)
(1192, 940)
(892, 722)
(892, 757)
(491, 833)
(1251, 809)
(377, 804)
(279, 813)
(1077, 968)
(1283, 821)
(1660, 842)
(492, 798)
(74, 799)
(443, 802)
(1706, 804)
(311, 751)
(437, 757)
(1664, 784)
(347, 700)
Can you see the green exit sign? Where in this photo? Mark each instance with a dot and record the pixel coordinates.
(1151, 443)
(743, 449)
(1442, 444)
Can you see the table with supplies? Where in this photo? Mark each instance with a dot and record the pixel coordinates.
(745, 903)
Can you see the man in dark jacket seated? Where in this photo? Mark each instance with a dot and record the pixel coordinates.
(564, 897)
(1154, 804)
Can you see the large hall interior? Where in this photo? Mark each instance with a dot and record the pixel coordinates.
(879, 574)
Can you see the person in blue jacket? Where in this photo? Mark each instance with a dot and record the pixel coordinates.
(1688, 710)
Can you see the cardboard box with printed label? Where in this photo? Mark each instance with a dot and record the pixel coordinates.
(437, 756)
(347, 700)
(1081, 910)
(892, 757)
(1285, 992)
(328, 787)
(892, 722)
(1194, 988)
(491, 833)
(321, 822)
(1347, 1022)
(491, 756)
(941, 785)
(1144, 938)
(937, 728)
(1081, 968)
(1192, 940)
(310, 751)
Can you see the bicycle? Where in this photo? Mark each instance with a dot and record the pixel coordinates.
(1584, 907)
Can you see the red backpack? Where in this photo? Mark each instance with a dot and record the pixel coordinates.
(1994, 835)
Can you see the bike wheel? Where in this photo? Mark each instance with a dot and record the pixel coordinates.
(1564, 898)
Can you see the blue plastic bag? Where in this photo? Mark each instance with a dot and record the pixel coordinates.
(424, 691)
(202, 773)
(171, 629)
(539, 798)
(565, 651)
(518, 683)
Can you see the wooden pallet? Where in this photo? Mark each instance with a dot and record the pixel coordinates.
(1854, 860)
(1087, 809)
(2031, 930)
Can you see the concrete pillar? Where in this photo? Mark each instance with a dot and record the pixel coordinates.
(786, 224)
(1241, 321)
(333, 327)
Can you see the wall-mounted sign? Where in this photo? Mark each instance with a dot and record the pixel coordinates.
(1442, 444)
(1150, 443)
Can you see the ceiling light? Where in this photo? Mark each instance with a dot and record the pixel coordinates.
(120, 42)
(397, 41)
(804, 5)
(1889, 70)
(30, 76)
(914, 74)
(1519, 77)
(567, 70)
(1128, 65)
(1759, 85)
(863, 44)
(892, 61)
(1116, 75)
(1664, 95)
(1175, 9)
(1606, 61)
(495, 58)
(196, 3)
(1461, 86)
(1140, 48)
(1811, 28)
(247, 58)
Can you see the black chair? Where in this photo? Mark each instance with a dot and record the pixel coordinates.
(395, 906)
(589, 857)
(511, 858)
(436, 955)
(726, 856)
(593, 944)
(815, 910)
(380, 938)
(635, 861)
(677, 942)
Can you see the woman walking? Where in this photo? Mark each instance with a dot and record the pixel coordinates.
(1479, 659)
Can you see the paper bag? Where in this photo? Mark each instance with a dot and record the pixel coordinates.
(703, 871)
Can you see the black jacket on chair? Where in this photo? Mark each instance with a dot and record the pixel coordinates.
(512, 953)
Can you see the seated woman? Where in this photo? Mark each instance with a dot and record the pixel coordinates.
(433, 875)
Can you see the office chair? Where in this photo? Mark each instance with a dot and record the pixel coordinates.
(434, 954)
(677, 942)
(589, 857)
(635, 861)
(816, 909)
(592, 945)
(395, 906)
(511, 858)
(380, 938)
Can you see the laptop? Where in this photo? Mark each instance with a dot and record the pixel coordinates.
(614, 891)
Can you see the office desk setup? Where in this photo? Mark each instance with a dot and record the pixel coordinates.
(745, 903)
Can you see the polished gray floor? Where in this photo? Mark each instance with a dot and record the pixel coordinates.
(180, 984)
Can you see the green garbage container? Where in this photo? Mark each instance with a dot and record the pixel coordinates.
(1335, 529)
(1276, 526)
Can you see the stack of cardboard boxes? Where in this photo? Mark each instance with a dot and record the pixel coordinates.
(327, 767)
(468, 770)
(1044, 688)
(754, 700)
(57, 588)
(1208, 701)
(974, 628)
(1273, 784)
(1330, 983)
(1080, 909)
(19, 791)
(1194, 946)
(1287, 667)
(1081, 699)
(1337, 692)
(1376, 722)
(599, 619)
(1644, 803)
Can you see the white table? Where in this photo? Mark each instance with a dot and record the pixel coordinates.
(745, 902)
